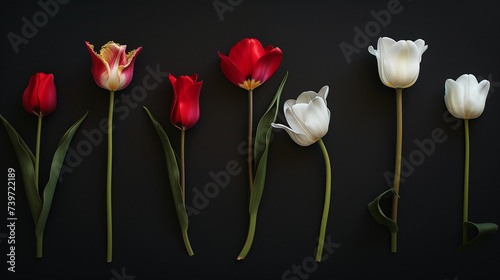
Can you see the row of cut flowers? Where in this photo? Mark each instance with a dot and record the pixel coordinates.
(248, 65)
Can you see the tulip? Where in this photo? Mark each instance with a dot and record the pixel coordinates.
(398, 68)
(398, 62)
(465, 98)
(185, 106)
(112, 68)
(39, 97)
(184, 115)
(249, 64)
(308, 117)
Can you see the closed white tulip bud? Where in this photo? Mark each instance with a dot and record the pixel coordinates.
(398, 62)
(465, 98)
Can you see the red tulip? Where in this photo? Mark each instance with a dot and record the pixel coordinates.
(112, 68)
(185, 106)
(249, 64)
(39, 97)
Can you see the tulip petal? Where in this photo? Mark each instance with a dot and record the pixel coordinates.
(231, 71)
(27, 96)
(476, 104)
(100, 68)
(267, 65)
(307, 96)
(126, 71)
(245, 55)
(47, 96)
(469, 83)
(114, 54)
(454, 98)
(297, 137)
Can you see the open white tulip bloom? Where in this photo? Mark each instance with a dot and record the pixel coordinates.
(465, 98)
(398, 62)
(308, 117)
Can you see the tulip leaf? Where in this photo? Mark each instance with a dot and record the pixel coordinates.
(262, 139)
(55, 170)
(27, 165)
(174, 178)
(484, 229)
(378, 214)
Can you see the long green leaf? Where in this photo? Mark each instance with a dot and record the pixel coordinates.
(484, 229)
(27, 164)
(55, 170)
(262, 139)
(378, 214)
(173, 176)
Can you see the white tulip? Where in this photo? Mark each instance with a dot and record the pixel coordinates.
(465, 98)
(398, 62)
(308, 117)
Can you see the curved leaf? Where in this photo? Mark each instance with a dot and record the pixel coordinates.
(27, 164)
(262, 139)
(484, 229)
(174, 178)
(55, 170)
(378, 214)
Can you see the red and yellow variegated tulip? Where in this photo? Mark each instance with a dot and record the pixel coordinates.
(111, 67)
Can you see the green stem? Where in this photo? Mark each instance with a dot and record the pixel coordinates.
(397, 169)
(326, 206)
(39, 244)
(186, 242)
(183, 170)
(249, 241)
(466, 182)
(109, 251)
(250, 126)
(37, 151)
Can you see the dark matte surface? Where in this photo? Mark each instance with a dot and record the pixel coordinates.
(183, 37)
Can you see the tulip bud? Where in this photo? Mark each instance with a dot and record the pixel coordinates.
(249, 64)
(39, 97)
(112, 68)
(398, 62)
(185, 105)
(465, 98)
(308, 117)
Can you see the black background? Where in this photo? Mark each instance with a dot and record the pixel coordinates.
(182, 38)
